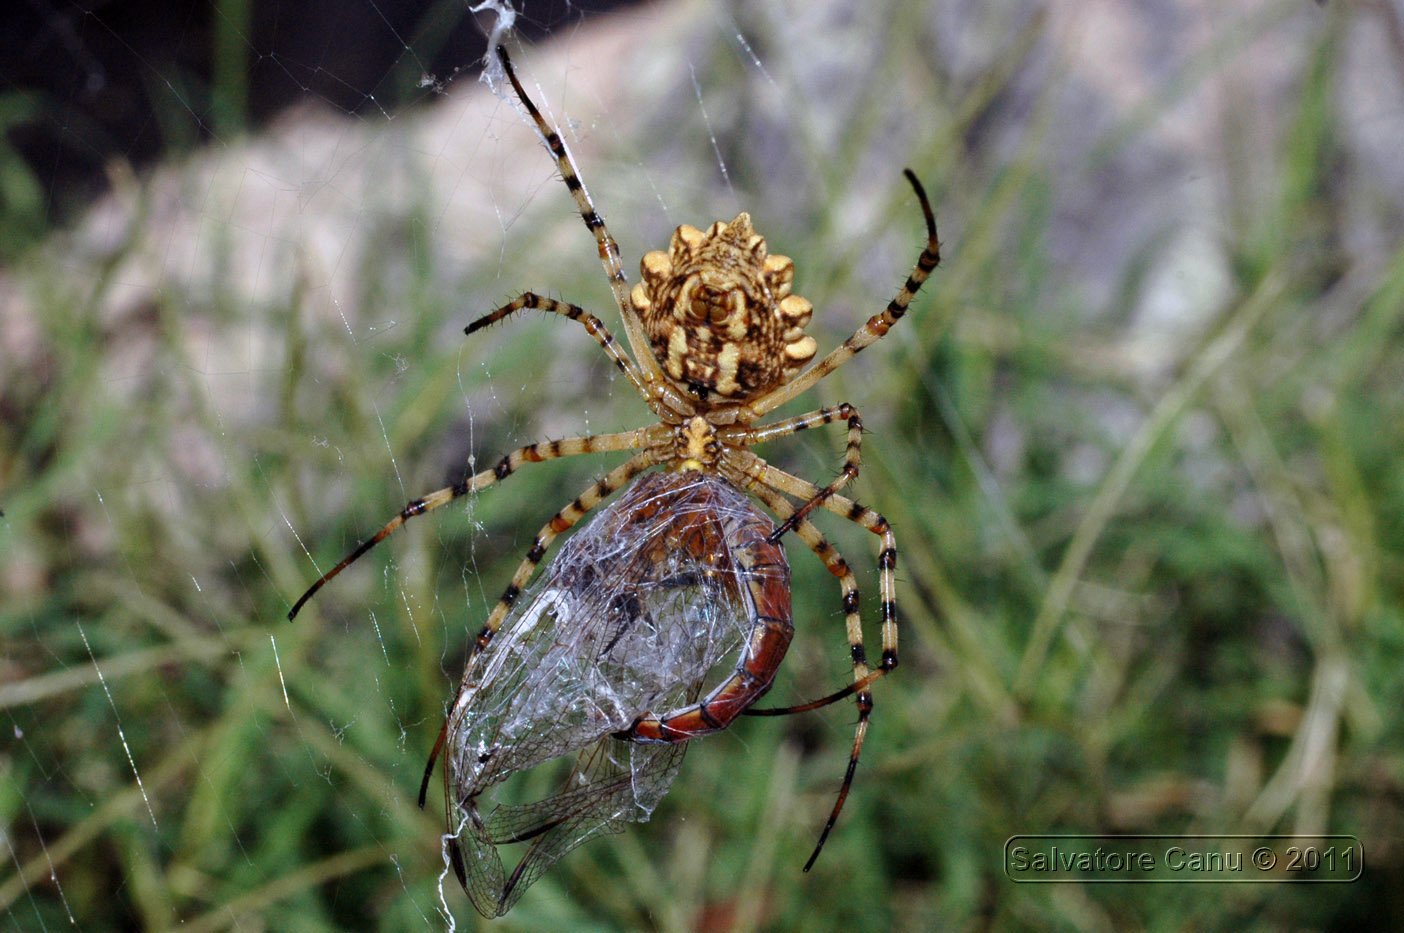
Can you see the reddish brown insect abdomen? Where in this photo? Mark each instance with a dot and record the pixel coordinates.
(746, 555)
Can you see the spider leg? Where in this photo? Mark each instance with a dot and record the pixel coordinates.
(560, 522)
(749, 437)
(836, 565)
(429, 768)
(609, 249)
(532, 453)
(866, 518)
(593, 326)
(852, 460)
(876, 327)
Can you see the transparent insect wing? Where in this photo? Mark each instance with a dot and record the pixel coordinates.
(614, 783)
(621, 618)
(628, 620)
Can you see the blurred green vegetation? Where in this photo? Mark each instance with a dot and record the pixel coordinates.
(1130, 603)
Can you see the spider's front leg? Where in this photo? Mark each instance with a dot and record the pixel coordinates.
(562, 521)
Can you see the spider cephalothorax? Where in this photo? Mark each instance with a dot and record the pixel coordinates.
(719, 314)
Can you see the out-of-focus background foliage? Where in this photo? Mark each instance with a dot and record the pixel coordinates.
(1139, 439)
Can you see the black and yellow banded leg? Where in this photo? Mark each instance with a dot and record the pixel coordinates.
(829, 555)
(593, 326)
(877, 326)
(750, 437)
(852, 459)
(505, 467)
(560, 522)
(865, 518)
(608, 248)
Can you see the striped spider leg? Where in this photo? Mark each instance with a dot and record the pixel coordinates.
(863, 677)
(716, 341)
(509, 464)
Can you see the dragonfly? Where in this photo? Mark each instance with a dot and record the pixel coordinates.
(605, 658)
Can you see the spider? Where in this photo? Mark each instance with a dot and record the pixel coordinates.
(718, 342)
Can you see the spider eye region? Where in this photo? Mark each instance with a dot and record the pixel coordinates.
(719, 312)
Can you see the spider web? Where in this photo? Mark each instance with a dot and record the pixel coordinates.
(280, 334)
(229, 364)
